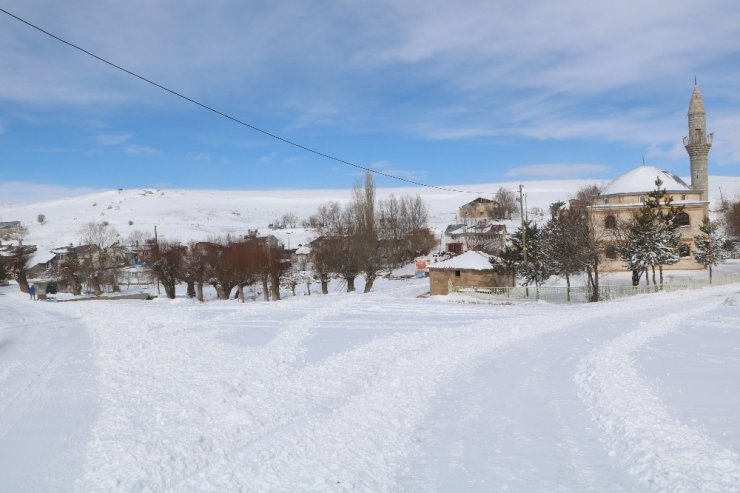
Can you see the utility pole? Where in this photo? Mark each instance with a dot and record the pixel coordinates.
(156, 243)
(524, 223)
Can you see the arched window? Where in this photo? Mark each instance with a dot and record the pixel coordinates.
(611, 252)
(684, 250)
(610, 222)
(683, 219)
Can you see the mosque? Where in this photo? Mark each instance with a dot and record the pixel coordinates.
(621, 198)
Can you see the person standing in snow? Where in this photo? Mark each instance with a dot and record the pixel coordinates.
(32, 292)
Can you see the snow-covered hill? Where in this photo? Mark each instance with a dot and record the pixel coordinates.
(199, 214)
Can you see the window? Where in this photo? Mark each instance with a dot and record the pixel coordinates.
(610, 222)
(683, 219)
(606, 201)
(642, 199)
(683, 196)
(611, 252)
(457, 273)
(684, 250)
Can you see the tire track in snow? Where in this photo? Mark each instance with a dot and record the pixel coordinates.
(356, 431)
(663, 452)
(170, 392)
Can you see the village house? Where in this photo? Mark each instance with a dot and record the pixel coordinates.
(480, 208)
(624, 196)
(470, 270)
(481, 235)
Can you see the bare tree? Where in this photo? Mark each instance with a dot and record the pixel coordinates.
(101, 262)
(507, 203)
(167, 264)
(289, 220)
(17, 258)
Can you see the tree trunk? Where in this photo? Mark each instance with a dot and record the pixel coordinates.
(275, 281)
(75, 285)
(660, 268)
(20, 277)
(567, 290)
(325, 283)
(369, 281)
(97, 291)
(647, 277)
(653, 267)
(710, 273)
(169, 289)
(199, 291)
(635, 277)
(308, 287)
(240, 292)
(265, 289)
(219, 291)
(191, 288)
(350, 284)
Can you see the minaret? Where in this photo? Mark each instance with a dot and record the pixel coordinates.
(698, 143)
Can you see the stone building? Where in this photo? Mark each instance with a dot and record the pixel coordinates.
(624, 196)
(470, 270)
(480, 208)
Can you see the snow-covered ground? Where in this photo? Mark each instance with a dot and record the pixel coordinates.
(377, 392)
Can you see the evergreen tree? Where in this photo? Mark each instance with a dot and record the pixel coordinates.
(3, 270)
(563, 246)
(533, 266)
(652, 238)
(710, 249)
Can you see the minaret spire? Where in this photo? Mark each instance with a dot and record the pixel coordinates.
(698, 143)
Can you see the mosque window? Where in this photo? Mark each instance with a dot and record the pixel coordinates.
(611, 252)
(683, 219)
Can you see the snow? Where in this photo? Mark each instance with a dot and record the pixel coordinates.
(642, 179)
(470, 260)
(406, 394)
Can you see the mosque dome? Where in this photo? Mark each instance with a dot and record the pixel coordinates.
(642, 179)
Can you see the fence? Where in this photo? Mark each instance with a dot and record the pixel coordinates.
(581, 294)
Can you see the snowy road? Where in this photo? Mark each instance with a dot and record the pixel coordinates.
(380, 392)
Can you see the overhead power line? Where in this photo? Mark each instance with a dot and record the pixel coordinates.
(230, 117)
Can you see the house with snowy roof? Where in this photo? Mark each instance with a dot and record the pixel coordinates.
(472, 269)
(624, 196)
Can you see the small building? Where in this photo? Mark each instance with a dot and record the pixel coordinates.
(470, 270)
(480, 208)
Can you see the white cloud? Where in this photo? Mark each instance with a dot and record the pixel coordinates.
(267, 158)
(199, 156)
(583, 170)
(138, 149)
(113, 139)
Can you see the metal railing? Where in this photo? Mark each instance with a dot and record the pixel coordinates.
(582, 294)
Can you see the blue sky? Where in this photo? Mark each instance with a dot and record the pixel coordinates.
(438, 92)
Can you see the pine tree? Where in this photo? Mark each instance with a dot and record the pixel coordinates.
(710, 249)
(3, 269)
(563, 246)
(535, 268)
(652, 238)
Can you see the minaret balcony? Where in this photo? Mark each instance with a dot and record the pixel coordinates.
(698, 139)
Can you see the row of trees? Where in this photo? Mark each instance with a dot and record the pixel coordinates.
(367, 236)
(565, 246)
(362, 238)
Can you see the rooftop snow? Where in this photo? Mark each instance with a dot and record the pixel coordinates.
(642, 179)
(470, 260)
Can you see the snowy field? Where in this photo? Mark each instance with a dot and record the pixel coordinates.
(377, 392)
